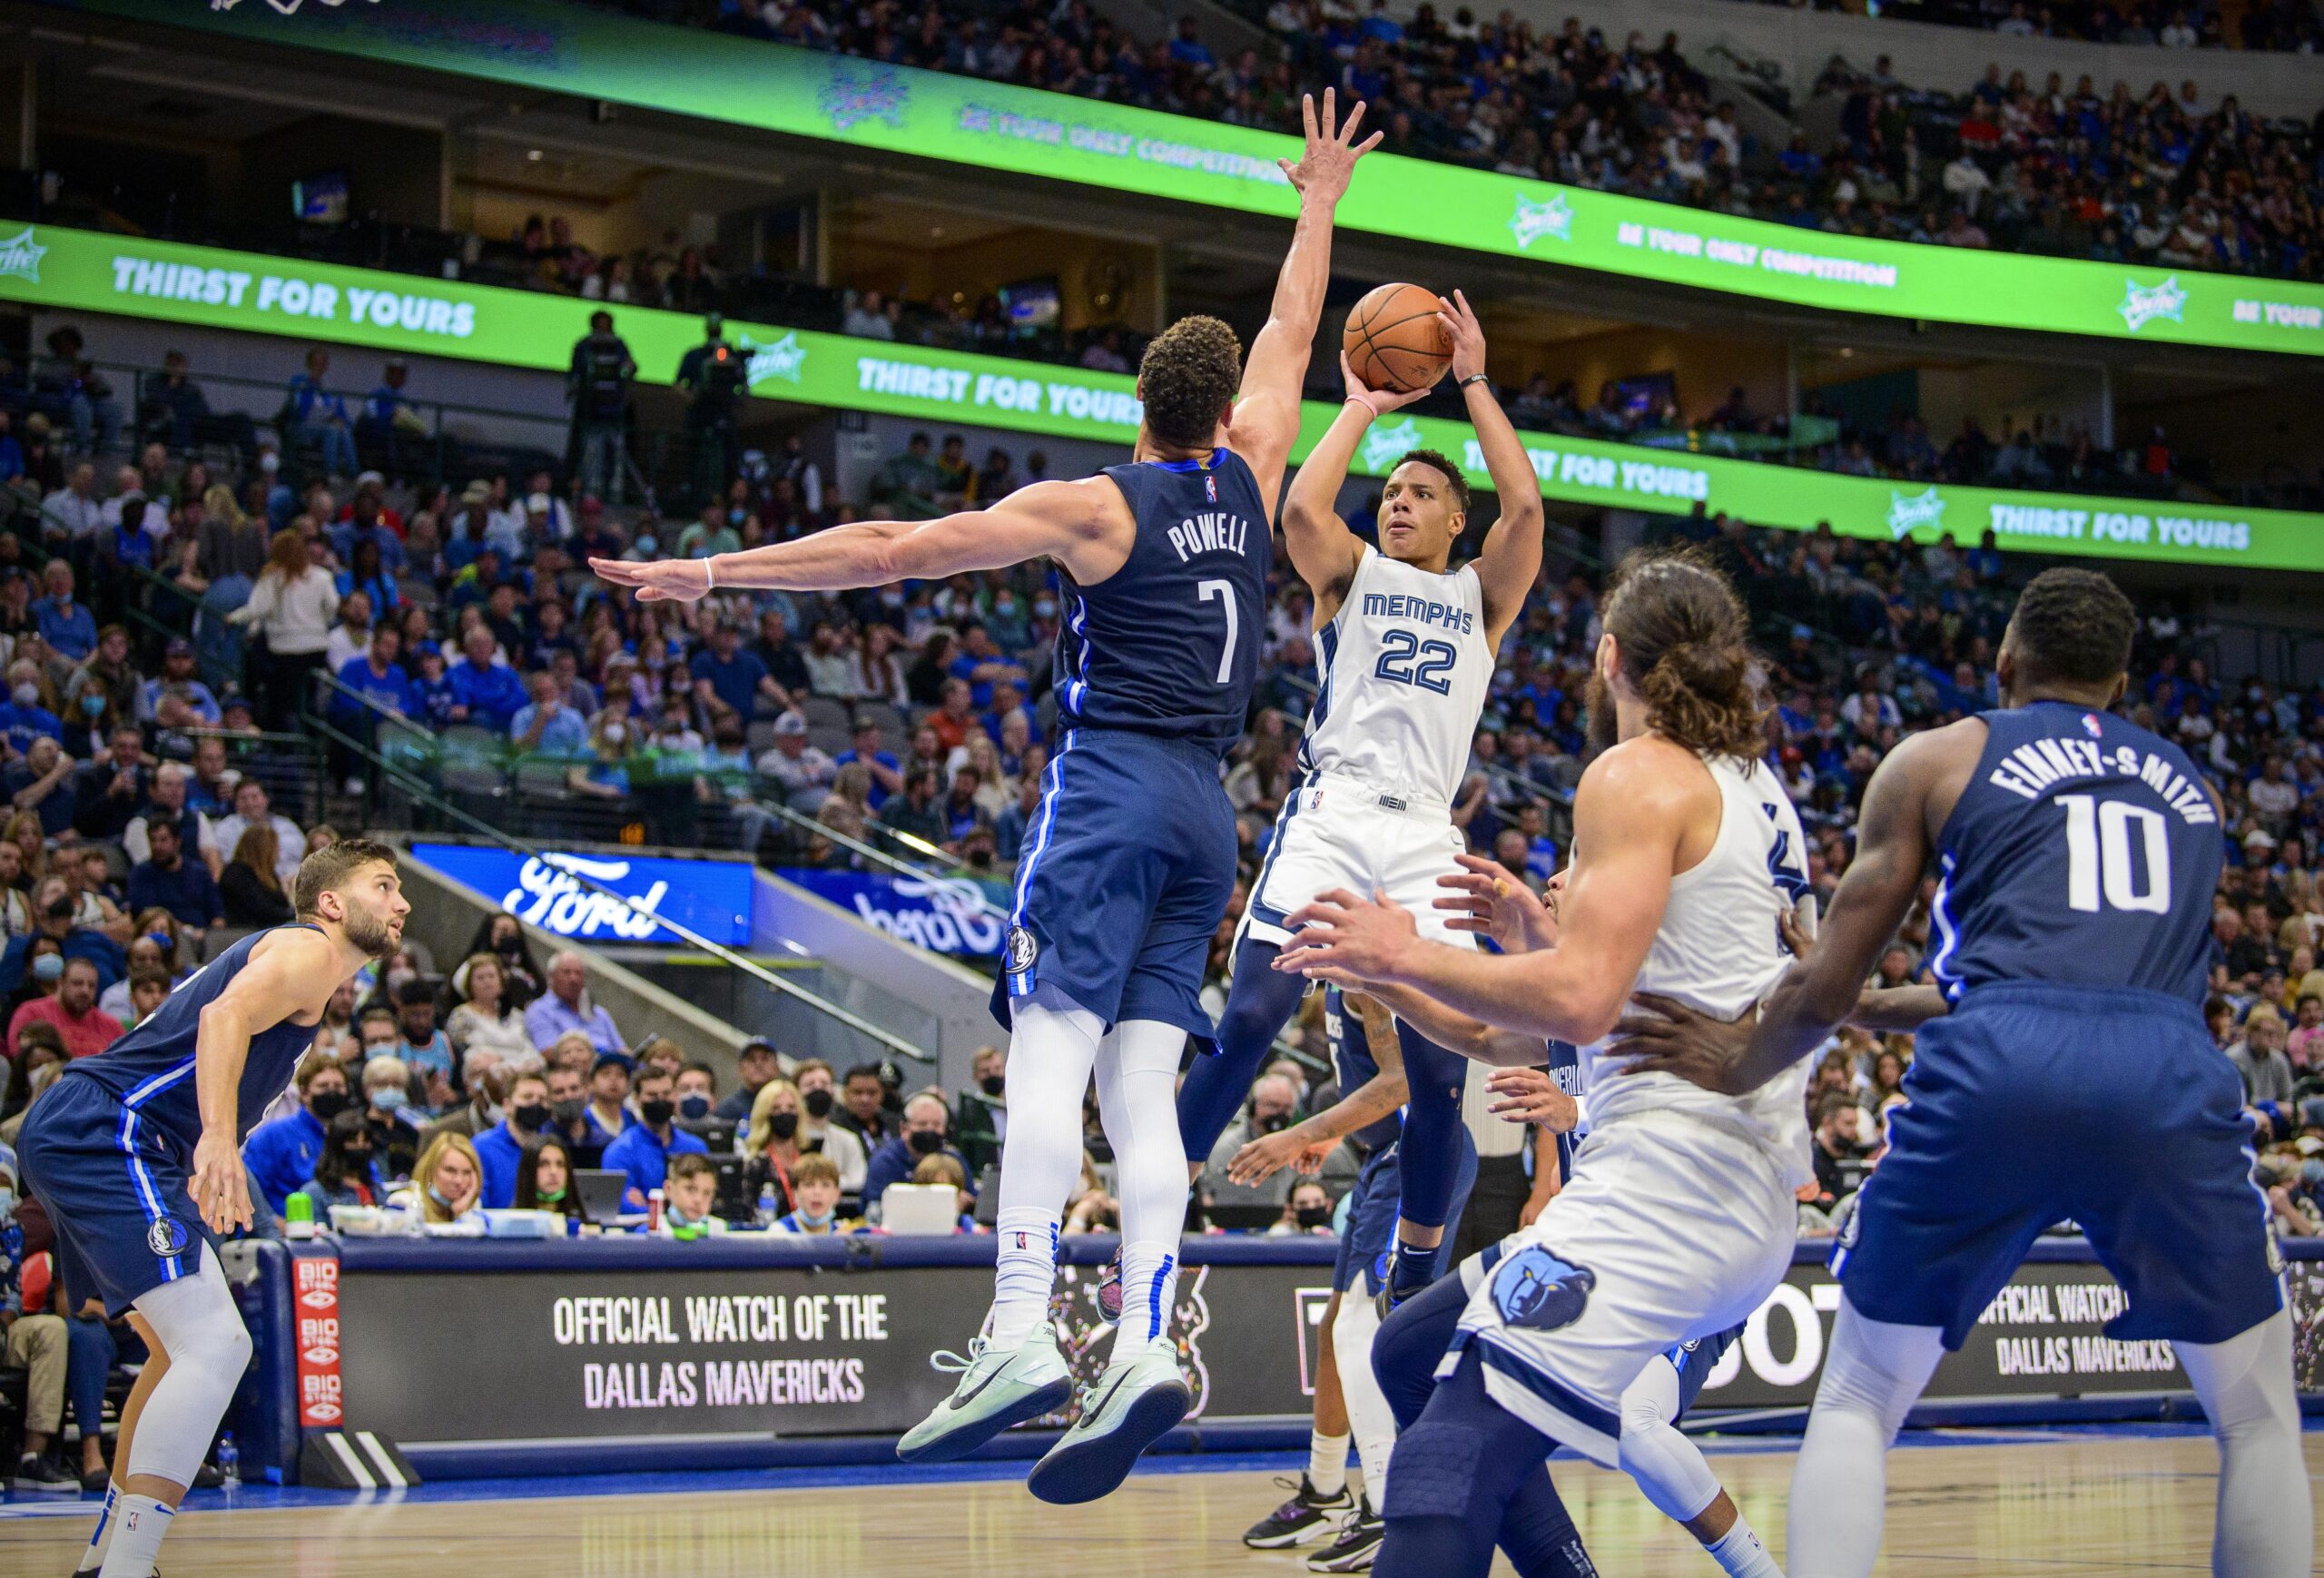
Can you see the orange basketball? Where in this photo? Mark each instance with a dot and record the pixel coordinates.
(1394, 340)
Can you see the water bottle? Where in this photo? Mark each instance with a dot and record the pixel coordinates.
(770, 1206)
(653, 1210)
(299, 1216)
(229, 1458)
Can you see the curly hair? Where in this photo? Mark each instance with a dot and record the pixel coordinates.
(2072, 627)
(1435, 461)
(1685, 644)
(1188, 375)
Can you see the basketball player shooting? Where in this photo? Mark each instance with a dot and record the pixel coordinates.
(136, 1153)
(2072, 1078)
(1407, 648)
(1680, 1219)
(1130, 861)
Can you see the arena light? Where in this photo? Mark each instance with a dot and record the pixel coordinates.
(81, 271)
(964, 120)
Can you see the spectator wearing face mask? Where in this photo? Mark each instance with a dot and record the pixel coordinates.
(1307, 1211)
(500, 1149)
(922, 1134)
(641, 1153)
(389, 1114)
(815, 1191)
(1274, 1105)
(980, 1121)
(72, 1008)
(689, 1196)
(696, 1096)
(545, 1178)
(62, 919)
(344, 1174)
(281, 1153)
(773, 1147)
(819, 1134)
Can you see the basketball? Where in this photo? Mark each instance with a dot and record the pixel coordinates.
(1394, 340)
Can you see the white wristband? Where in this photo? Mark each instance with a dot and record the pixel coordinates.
(709, 574)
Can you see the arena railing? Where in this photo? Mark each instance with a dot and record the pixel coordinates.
(453, 817)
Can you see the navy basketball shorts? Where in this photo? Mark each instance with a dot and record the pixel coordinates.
(2030, 1105)
(1372, 1205)
(1127, 869)
(114, 1190)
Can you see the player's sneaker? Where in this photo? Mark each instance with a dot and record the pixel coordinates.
(1384, 1276)
(1130, 1408)
(1307, 1518)
(999, 1387)
(1359, 1542)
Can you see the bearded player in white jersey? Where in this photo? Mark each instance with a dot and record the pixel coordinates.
(1680, 1220)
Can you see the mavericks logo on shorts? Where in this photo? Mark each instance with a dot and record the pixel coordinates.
(1535, 1288)
(1019, 951)
(167, 1236)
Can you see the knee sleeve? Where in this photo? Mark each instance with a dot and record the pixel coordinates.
(1669, 1468)
(1877, 1369)
(1411, 1342)
(1430, 1151)
(1258, 1005)
(208, 1347)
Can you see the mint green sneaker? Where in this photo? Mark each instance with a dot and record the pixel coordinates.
(999, 1387)
(1134, 1405)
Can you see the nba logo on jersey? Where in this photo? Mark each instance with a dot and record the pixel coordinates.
(1210, 488)
(2091, 726)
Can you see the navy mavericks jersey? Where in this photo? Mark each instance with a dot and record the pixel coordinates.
(150, 1070)
(1352, 1062)
(1169, 645)
(2083, 853)
(1565, 1069)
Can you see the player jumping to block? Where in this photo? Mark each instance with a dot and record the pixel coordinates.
(1130, 860)
(2070, 1078)
(136, 1153)
(1406, 646)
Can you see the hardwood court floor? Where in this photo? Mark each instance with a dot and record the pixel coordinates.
(2075, 1504)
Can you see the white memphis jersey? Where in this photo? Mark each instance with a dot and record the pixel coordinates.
(1717, 950)
(1406, 667)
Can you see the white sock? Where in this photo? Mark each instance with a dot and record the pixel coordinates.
(141, 1521)
(101, 1536)
(1326, 1464)
(1739, 1553)
(1138, 1079)
(1024, 1271)
(1050, 1053)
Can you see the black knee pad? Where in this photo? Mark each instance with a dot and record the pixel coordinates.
(1437, 1473)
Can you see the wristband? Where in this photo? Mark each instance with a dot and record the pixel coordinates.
(709, 574)
(1474, 378)
(1367, 406)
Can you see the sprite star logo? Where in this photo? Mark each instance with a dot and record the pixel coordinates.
(782, 359)
(1383, 446)
(854, 95)
(1921, 509)
(20, 258)
(1533, 221)
(2142, 305)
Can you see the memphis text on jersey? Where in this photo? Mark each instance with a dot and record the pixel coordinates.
(1213, 531)
(2038, 764)
(1398, 606)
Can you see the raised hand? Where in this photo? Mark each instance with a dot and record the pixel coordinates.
(1494, 904)
(1324, 168)
(1359, 940)
(1459, 321)
(1379, 401)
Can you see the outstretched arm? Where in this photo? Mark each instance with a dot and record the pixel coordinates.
(1305, 1145)
(1051, 518)
(1267, 408)
(1513, 551)
(1323, 551)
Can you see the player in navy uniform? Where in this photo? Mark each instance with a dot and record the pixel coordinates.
(136, 1153)
(2072, 1078)
(1130, 859)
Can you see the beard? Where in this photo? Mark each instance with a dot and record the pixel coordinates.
(1598, 706)
(369, 930)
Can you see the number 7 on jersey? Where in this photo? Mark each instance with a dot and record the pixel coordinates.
(1225, 592)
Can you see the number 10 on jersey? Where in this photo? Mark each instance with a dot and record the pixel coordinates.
(2099, 860)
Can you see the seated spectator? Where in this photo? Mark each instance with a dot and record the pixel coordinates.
(2260, 1058)
(546, 725)
(36, 1045)
(251, 807)
(71, 1009)
(922, 1134)
(484, 692)
(112, 790)
(500, 1149)
(482, 1015)
(1273, 1106)
(819, 1134)
(70, 630)
(42, 783)
(815, 1191)
(690, 1194)
(608, 1116)
(69, 921)
(251, 889)
(388, 1109)
(754, 1065)
(344, 1174)
(1307, 1211)
(773, 1145)
(169, 881)
(981, 1118)
(446, 1186)
(944, 1167)
(281, 1152)
(696, 1094)
(566, 1006)
(642, 1152)
(1837, 1157)
(735, 675)
(424, 1050)
(133, 999)
(545, 1178)
(863, 1106)
(171, 792)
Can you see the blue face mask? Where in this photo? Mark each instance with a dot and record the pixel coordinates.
(93, 705)
(2311, 1173)
(734, 517)
(437, 1195)
(647, 546)
(48, 967)
(387, 1097)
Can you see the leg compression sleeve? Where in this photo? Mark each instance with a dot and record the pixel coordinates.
(1669, 1467)
(2266, 1517)
(1051, 1051)
(1431, 1148)
(1872, 1375)
(1258, 1005)
(1137, 1068)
